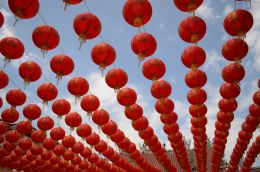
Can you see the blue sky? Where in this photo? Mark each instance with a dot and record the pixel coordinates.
(115, 31)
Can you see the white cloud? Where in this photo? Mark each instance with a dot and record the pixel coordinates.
(6, 30)
(206, 11)
(213, 61)
(228, 9)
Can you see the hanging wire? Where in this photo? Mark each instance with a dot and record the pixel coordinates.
(86, 5)
(42, 18)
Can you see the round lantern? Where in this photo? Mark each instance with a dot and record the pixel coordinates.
(73, 119)
(153, 69)
(61, 107)
(26, 10)
(57, 133)
(118, 136)
(4, 79)
(71, 2)
(229, 90)
(38, 136)
(59, 150)
(45, 37)
(15, 97)
(143, 45)
(87, 26)
(47, 92)
(68, 141)
(78, 147)
(10, 115)
(24, 127)
(93, 139)
(45, 123)
(137, 12)
(134, 111)
(30, 72)
(116, 78)
(256, 97)
(192, 29)
(25, 143)
(32, 111)
(61, 65)
(100, 117)
(84, 130)
(187, 6)
(49, 143)
(103, 55)
(11, 48)
(193, 57)
(238, 22)
(109, 128)
(195, 78)
(233, 73)
(1, 102)
(2, 19)
(198, 110)
(164, 106)
(197, 96)
(140, 124)
(126, 97)
(89, 103)
(78, 86)
(161, 89)
(169, 118)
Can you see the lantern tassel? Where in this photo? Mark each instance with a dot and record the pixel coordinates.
(16, 20)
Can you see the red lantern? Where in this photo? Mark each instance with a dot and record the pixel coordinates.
(188, 6)
(118, 136)
(164, 106)
(3, 127)
(153, 69)
(68, 141)
(233, 73)
(109, 128)
(57, 133)
(93, 139)
(4, 80)
(46, 155)
(73, 119)
(101, 146)
(124, 144)
(61, 107)
(198, 110)
(256, 98)
(192, 29)
(10, 115)
(235, 49)
(89, 103)
(227, 105)
(24, 127)
(161, 89)
(32, 111)
(2, 19)
(59, 150)
(84, 130)
(143, 45)
(197, 96)
(45, 123)
(225, 117)
(36, 149)
(140, 124)
(47, 92)
(38, 136)
(238, 22)
(87, 26)
(12, 136)
(193, 57)
(30, 71)
(61, 65)
(15, 97)
(103, 55)
(116, 78)
(71, 2)
(126, 96)
(100, 117)
(78, 86)
(49, 143)
(133, 112)
(86, 152)
(195, 78)
(169, 118)
(27, 9)
(137, 12)
(78, 147)
(25, 143)
(229, 90)
(76, 161)
(45, 37)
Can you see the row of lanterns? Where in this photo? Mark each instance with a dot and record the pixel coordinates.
(237, 23)
(191, 30)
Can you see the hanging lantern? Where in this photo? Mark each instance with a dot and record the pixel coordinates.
(15, 97)
(143, 45)
(193, 57)
(36, 149)
(73, 119)
(46, 38)
(12, 136)
(61, 65)
(30, 72)
(169, 118)
(198, 110)
(227, 105)
(124, 144)
(32, 111)
(165, 106)
(229, 90)
(24, 127)
(140, 124)
(197, 96)
(78, 147)
(192, 29)
(153, 69)
(256, 98)
(49, 143)
(87, 26)
(116, 78)
(137, 12)
(84, 130)
(188, 6)
(103, 55)
(4, 79)
(118, 136)
(93, 139)
(100, 117)
(61, 107)
(3, 127)
(233, 73)
(225, 117)
(101, 146)
(45, 123)
(2, 19)
(57, 133)
(195, 79)
(109, 128)
(238, 22)
(11, 48)
(68, 141)
(25, 143)
(86, 153)
(10, 115)
(59, 150)
(126, 97)
(71, 2)
(78, 86)
(161, 89)
(76, 161)
(46, 155)
(89, 103)
(133, 112)
(47, 92)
